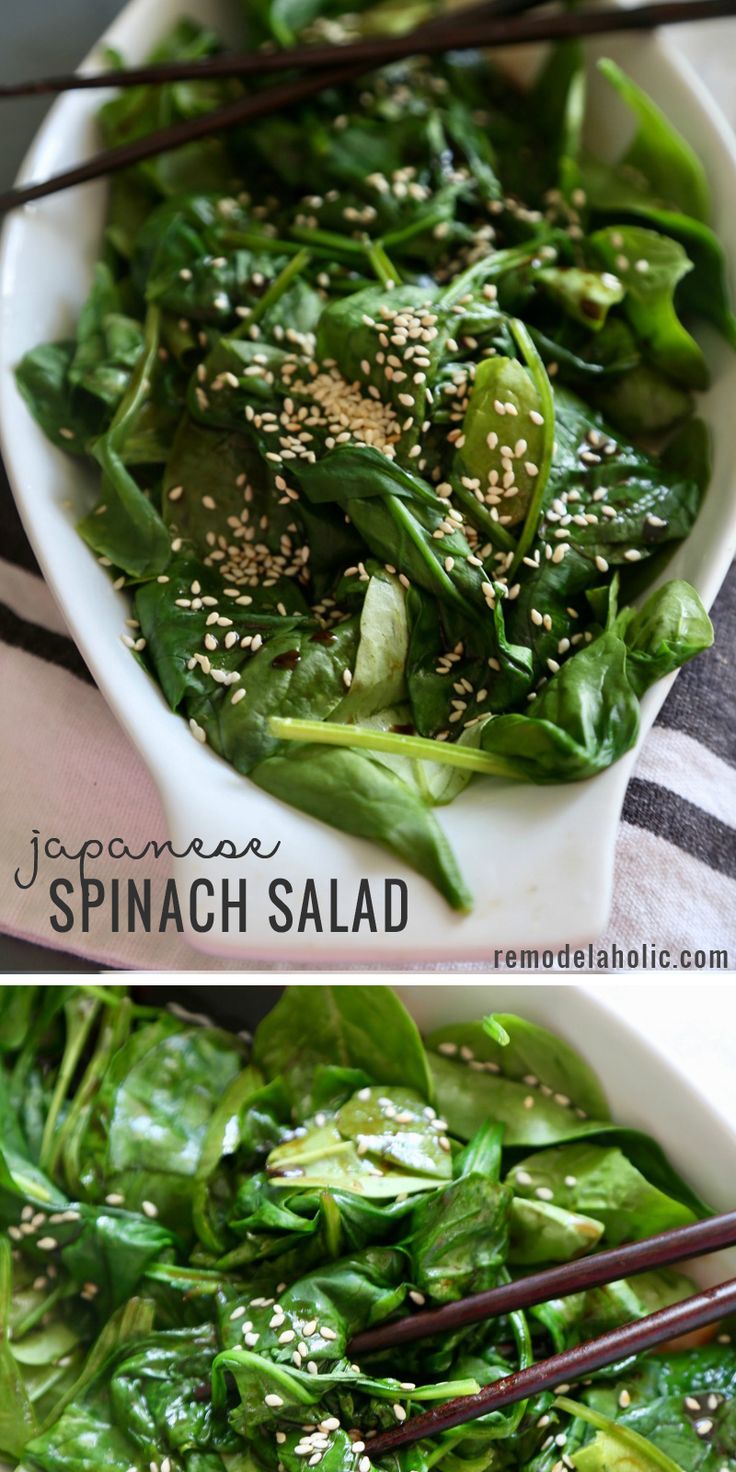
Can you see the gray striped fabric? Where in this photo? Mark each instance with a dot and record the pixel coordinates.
(676, 858)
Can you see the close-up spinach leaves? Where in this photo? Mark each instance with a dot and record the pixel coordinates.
(195, 1223)
(393, 400)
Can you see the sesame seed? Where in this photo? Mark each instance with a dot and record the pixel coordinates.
(47, 1244)
(399, 1412)
(148, 1207)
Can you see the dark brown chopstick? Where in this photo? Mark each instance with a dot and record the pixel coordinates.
(236, 64)
(355, 59)
(695, 1240)
(667, 1323)
(284, 94)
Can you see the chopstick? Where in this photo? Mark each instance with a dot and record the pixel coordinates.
(697, 1239)
(236, 64)
(465, 30)
(667, 1323)
(359, 57)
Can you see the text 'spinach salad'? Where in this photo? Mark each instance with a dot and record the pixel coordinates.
(393, 404)
(192, 1230)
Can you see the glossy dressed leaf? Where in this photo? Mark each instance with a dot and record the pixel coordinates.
(153, 1113)
(458, 1237)
(496, 438)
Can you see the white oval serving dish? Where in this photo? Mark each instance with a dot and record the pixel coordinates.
(540, 861)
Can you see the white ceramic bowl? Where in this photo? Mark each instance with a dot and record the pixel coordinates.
(540, 861)
(644, 1089)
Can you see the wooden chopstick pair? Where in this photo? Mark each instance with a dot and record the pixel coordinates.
(695, 1312)
(323, 66)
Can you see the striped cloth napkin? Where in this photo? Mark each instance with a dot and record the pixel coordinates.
(67, 768)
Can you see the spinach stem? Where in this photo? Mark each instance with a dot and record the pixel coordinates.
(331, 238)
(38, 1311)
(406, 522)
(386, 272)
(77, 1032)
(279, 285)
(416, 748)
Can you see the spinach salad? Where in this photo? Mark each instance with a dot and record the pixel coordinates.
(392, 400)
(193, 1226)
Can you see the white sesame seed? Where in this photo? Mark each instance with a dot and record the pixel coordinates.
(149, 1208)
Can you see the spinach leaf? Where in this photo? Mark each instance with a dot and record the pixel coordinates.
(615, 1446)
(109, 342)
(600, 1182)
(374, 1146)
(68, 417)
(458, 1236)
(152, 1114)
(498, 383)
(658, 151)
(541, 1232)
(379, 670)
(523, 1052)
(362, 797)
(125, 526)
(585, 295)
(366, 1028)
(650, 266)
